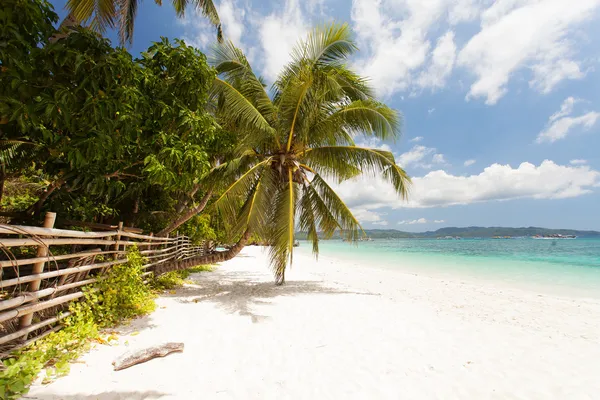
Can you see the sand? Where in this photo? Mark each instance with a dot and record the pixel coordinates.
(342, 331)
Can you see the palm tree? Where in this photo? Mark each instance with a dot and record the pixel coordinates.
(298, 139)
(104, 14)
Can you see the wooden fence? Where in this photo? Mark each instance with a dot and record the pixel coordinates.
(42, 269)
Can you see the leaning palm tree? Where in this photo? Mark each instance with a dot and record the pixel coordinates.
(298, 140)
(104, 14)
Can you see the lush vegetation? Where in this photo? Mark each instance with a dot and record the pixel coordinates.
(297, 138)
(119, 296)
(95, 135)
(102, 14)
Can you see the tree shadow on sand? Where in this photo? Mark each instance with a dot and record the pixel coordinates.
(113, 395)
(237, 292)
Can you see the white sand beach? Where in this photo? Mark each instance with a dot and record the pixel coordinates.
(341, 331)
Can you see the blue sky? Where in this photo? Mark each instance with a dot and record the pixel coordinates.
(500, 99)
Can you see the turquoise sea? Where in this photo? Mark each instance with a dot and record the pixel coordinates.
(566, 266)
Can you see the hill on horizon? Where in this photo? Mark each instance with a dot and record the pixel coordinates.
(468, 232)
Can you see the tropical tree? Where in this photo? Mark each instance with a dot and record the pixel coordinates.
(99, 133)
(298, 139)
(103, 14)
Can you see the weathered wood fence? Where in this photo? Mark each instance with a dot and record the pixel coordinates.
(42, 269)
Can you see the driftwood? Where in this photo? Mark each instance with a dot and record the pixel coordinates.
(130, 359)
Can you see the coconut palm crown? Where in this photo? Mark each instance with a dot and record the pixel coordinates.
(299, 138)
(104, 14)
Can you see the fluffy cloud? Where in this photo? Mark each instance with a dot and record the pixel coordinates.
(414, 155)
(382, 223)
(495, 183)
(561, 123)
(404, 53)
(469, 162)
(421, 157)
(394, 34)
(442, 62)
(279, 32)
(578, 162)
(438, 159)
(199, 33)
(417, 139)
(420, 221)
(412, 45)
(519, 34)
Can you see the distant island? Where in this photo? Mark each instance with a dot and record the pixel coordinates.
(468, 232)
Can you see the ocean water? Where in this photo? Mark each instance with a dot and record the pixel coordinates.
(563, 266)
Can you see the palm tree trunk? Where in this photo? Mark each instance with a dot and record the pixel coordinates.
(216, 257)
(187, 215)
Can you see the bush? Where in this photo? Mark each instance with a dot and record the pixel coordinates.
(120, 295)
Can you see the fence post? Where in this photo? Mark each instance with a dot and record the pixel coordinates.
(38, 268)
(119, 229)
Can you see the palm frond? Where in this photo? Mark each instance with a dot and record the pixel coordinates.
(100, 13)
(331, 208)
(240, 110)
(330, 44)
(127, 11)
(231, 63)
(307, 222)
(256, 211)
(228, 203)
(333, 161)
(366, 117)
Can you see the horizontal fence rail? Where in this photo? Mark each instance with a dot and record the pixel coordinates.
(43, 269)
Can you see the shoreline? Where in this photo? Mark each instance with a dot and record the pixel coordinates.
(476, 272)
(341, 331)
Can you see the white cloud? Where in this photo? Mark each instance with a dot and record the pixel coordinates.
(578, 162)
(438, 159)
(566, 108)
(394, 34)
(495, 183)
(278, 33)
(560, 123)
(417, 139)
(442, 62)
(560, 128)
(199, 33)
(400, 49)
(373, 143)
(382, 223)
(420, 221)
(469, 162)
(518, 34)
(414, 155)
(430, 111)
(413, 222)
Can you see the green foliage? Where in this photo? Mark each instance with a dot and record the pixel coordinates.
(174, 279)
(118, 296)
(103, 14)
(199, 228)
(296, 140)
(115, 137)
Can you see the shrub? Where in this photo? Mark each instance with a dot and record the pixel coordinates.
(120, 295)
